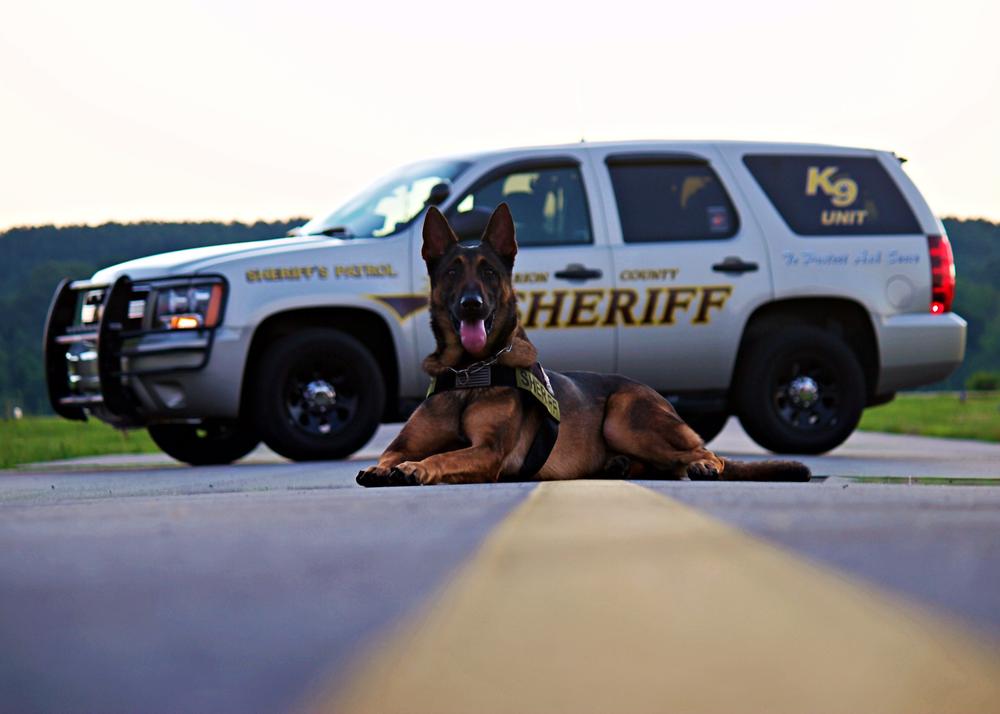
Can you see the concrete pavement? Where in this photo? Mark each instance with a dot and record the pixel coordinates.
(271, 586)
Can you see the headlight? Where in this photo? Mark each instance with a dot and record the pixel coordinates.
(188, 307)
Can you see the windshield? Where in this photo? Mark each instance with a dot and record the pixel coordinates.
(390, 204)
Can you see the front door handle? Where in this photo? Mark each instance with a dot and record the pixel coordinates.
(732, 264)
(576, 271)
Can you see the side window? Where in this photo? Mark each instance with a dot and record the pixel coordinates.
(833, 195)
(670, 200)
(549, 205)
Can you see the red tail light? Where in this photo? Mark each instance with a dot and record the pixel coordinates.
(942, 273)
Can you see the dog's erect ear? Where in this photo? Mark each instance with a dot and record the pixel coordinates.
(499, 234)
(438, 235)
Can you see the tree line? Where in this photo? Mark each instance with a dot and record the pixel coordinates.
(34, 259)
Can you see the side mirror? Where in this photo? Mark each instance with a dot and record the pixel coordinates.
(439, 192)
(470, 225)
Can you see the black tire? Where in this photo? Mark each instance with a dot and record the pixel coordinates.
(800, 391)
(706, 424)
(317, 394)
(213, 442)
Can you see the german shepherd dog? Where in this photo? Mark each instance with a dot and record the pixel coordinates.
(484, 431)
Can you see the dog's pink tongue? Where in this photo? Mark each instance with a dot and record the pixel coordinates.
(473, 335)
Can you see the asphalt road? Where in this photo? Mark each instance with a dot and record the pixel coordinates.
(252, 587)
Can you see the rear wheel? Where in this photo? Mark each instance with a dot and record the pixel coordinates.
(318, 394)
(801, 391)
(706, 424)
(212, 442)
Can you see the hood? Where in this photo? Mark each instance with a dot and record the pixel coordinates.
(195, 260)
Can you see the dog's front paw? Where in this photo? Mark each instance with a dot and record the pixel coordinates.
(703, 470)
(374, 477)
(411, 473)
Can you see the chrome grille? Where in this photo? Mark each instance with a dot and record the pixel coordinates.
(91, 306)
(136, 308)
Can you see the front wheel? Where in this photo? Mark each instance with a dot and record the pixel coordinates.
(209, 443)
(318, 394)
(800, 391)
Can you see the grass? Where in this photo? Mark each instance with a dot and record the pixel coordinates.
(938, 414)
(33, 439)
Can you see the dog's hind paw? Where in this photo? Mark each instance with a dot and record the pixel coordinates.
(617, 467)
(702, 471)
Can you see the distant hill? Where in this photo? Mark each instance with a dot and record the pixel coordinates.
(33, 260)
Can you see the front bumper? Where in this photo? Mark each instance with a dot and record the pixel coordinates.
(916, 350)
(100, 366)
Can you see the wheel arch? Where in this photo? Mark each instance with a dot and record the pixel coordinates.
(843, 317)
(366, 326)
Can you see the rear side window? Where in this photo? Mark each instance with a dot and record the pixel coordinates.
(833, 195)
(670, 201)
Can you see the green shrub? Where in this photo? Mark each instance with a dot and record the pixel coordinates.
(983, 381)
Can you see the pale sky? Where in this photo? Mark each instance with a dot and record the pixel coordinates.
(225, 109)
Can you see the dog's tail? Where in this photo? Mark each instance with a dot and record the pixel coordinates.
(765, 471)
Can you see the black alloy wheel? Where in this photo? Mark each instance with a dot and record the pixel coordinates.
(800, 391)
(318, 394)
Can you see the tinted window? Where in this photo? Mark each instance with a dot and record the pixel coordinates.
(833, 195)
(671, 201)
(549, 205)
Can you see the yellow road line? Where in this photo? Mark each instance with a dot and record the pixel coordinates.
(603, 596)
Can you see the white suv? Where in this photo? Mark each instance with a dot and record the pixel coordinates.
(789, 284)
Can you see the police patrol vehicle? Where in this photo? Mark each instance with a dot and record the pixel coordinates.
(791, 285)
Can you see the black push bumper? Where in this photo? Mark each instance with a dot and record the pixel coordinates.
(95, 365)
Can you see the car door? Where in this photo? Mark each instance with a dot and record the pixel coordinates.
(690, 266)
(563, 271)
